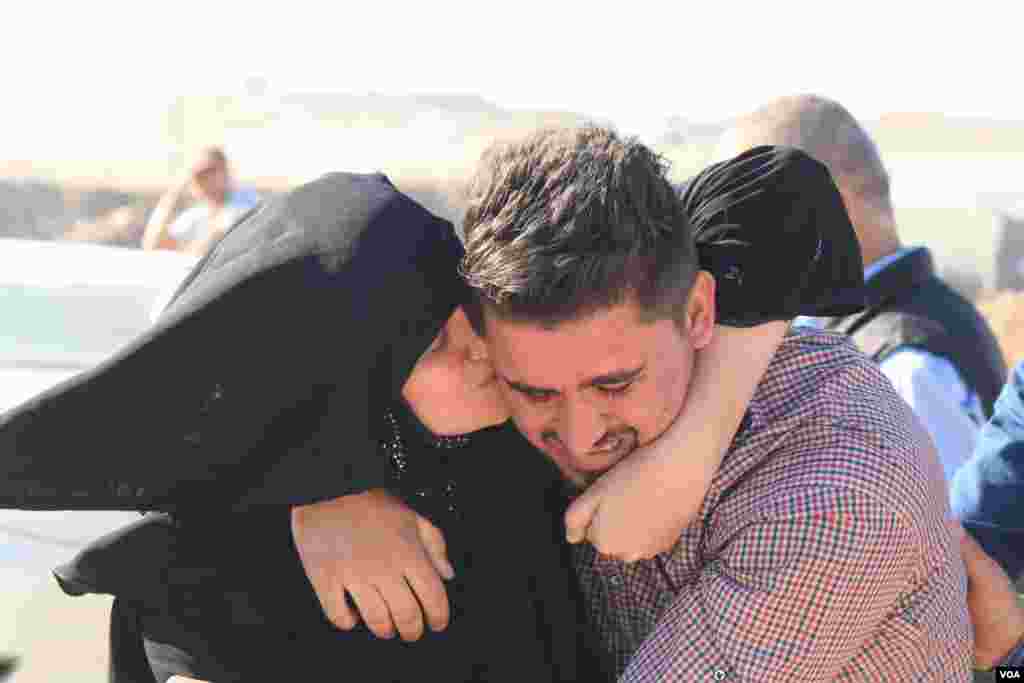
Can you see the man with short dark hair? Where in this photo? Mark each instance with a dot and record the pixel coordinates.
(820, 549)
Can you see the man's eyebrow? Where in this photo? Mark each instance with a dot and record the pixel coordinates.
(526, 388)
(617, 377)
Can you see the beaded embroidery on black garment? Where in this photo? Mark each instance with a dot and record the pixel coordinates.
(424, 464)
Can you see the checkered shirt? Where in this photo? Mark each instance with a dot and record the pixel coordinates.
(822, 550)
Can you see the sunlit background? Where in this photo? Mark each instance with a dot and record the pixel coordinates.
(103, 104)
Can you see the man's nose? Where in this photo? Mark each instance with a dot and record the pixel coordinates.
(582, 426)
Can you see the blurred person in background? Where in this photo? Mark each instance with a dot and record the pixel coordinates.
(198, 228)
(1009, 225)
(987, 493)
(933, 345)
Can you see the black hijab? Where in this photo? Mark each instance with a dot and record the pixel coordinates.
(261, 380)
(771, 226)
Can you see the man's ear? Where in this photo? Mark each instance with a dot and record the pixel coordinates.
(700, 310)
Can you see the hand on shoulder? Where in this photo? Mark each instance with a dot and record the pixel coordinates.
(374, 548)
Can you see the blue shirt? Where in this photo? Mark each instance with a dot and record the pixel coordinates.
(193, 223)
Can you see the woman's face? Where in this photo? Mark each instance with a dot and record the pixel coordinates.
(453, 388)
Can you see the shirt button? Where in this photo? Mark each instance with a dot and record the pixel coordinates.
(615, 580)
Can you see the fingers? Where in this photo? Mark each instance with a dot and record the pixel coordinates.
(389, 607)
(374, 609)
(437, 550)
(425, 583)
(339, 611)
(331, 595)
(580, 514)
(432, 597)
(406, 614)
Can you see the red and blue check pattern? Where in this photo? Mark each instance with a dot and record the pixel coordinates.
(822, 551)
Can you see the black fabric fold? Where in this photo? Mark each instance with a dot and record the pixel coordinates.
(772, 228)
(255, 386)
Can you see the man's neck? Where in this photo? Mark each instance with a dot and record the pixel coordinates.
(875, 229)
(873, 253)
(217, 203)
(878, 236)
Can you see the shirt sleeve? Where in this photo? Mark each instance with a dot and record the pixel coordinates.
(938, 396)
(792, 597)
(183, 229)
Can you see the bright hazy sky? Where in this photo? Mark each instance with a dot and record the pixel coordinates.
(634, 61)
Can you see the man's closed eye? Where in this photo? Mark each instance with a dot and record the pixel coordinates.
(530, 393)
(615, 389)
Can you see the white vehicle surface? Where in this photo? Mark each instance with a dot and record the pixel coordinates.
(65, 306)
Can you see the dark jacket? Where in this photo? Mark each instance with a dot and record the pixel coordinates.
(910, 307)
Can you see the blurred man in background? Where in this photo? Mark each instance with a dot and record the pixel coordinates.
(1009, 225)
(201, 226)
(933, 345)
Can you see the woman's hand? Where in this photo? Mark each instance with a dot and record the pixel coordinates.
(640, 507)
(381, 553)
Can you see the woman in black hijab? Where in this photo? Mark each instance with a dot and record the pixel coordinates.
(312, 303)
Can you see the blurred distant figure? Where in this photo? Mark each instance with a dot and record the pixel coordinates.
(933, 345)
(201, 226)
(988, 491)
(1010, 250)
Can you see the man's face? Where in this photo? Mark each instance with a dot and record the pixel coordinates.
(210, 182)
(590, 391)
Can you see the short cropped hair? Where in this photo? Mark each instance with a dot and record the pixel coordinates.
(566, 222)
(828, 132)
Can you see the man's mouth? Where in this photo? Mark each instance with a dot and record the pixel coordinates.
(600, 461)
(614, 445)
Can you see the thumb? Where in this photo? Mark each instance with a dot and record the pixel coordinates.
(580, 515)
(437, 550)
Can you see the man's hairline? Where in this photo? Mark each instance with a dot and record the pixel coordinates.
(484, 304)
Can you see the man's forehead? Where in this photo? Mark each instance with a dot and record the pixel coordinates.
(573, 352)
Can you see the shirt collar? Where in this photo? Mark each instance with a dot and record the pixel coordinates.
(882, 263)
